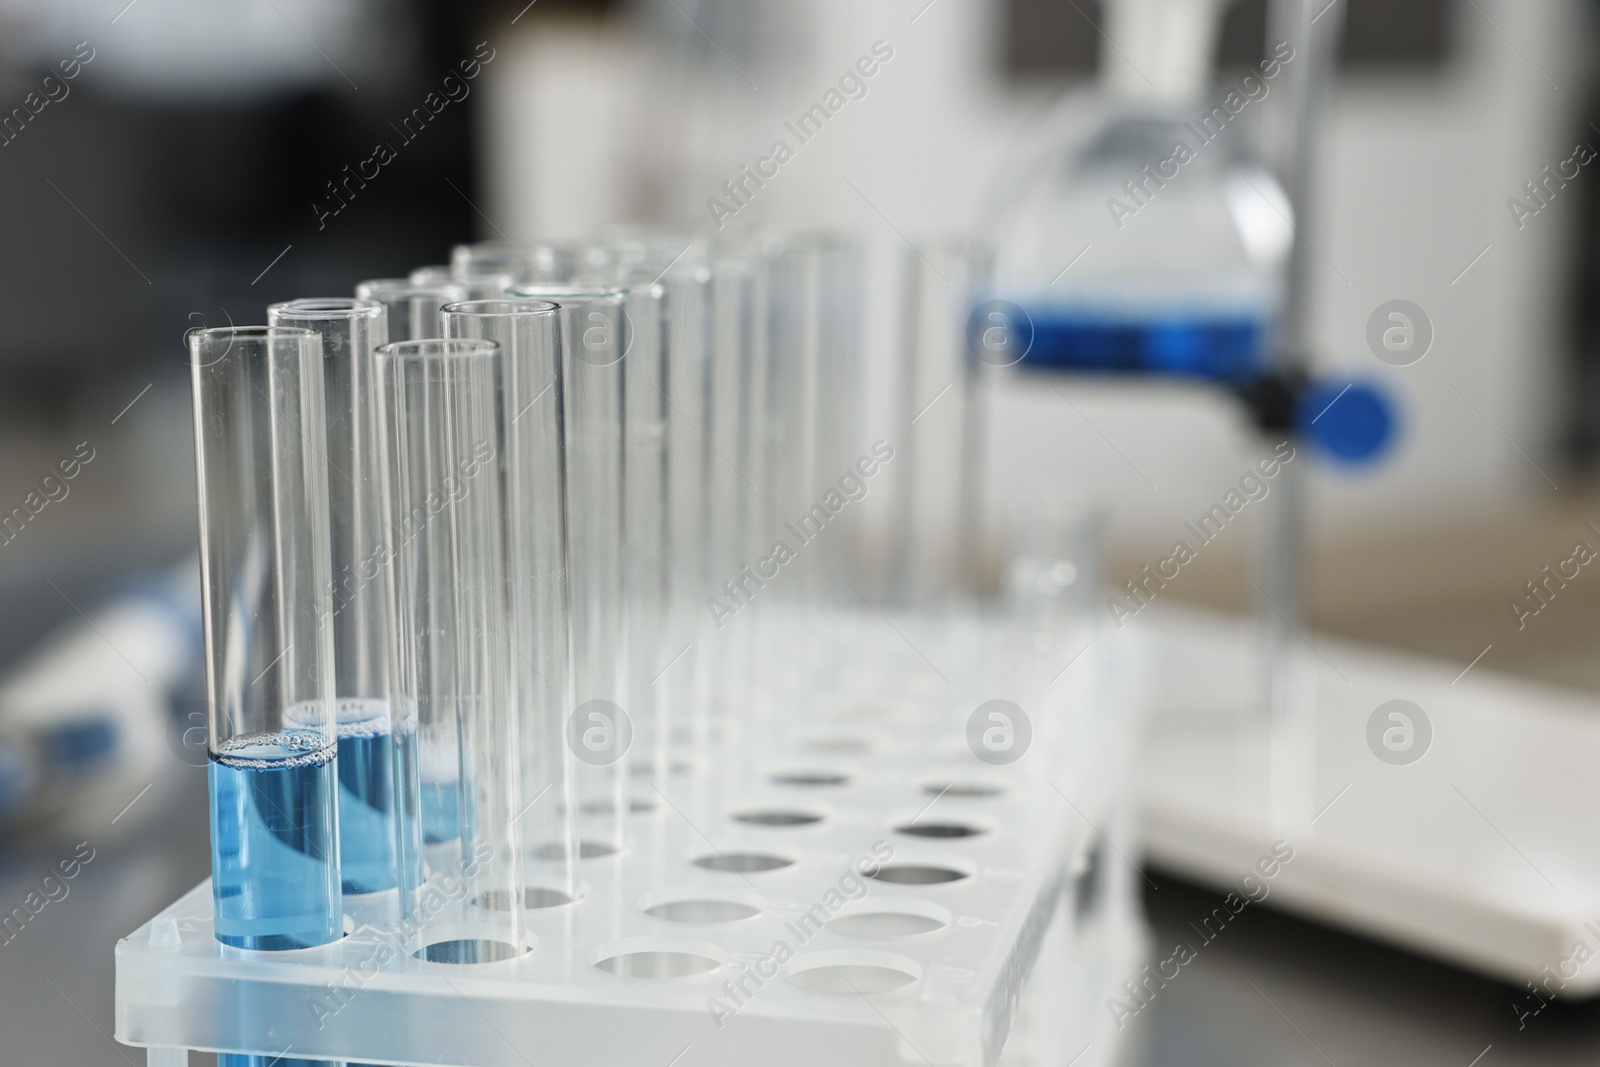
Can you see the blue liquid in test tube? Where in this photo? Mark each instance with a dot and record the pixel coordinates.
(366, 796)
(273, 847)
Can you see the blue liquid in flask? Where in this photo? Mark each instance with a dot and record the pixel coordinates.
(1187, 345)
(274, 828)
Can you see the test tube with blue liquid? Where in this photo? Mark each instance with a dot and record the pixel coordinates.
(264, 565)
(350, 329)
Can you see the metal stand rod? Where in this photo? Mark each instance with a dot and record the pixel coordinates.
(1313, 28)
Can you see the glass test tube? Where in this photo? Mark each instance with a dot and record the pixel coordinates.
(690, 339)
(413, 308)
(1051, 593)
(441, 438)
(479, 285)
(263, 509)
(433, 274)
(933, 534)
(790, 416)
(491, 257)
(538, 263)
(594, 336)
(669, 271)
(646, 384)
(732, 494)
(535, 464)
(649, 259)
(811, 285)
(350, 329)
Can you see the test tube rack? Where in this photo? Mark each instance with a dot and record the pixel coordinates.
(853, 887)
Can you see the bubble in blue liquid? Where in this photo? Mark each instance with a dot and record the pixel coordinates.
(274, 829)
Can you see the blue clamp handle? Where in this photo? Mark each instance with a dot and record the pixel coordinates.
(1352, 423)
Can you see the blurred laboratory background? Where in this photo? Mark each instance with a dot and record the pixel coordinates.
(202, 160)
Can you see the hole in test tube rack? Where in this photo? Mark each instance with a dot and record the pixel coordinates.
(917, 874)
(533, 897)
(468, 950)
(587, 850)
(885, 919)
(941, 829)
(742, 862)
(655, 957)
(965, 788)
(778, 817)
(811, 777)
(853, 971)
(695, 906)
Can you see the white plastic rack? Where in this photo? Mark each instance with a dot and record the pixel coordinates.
(854, 888)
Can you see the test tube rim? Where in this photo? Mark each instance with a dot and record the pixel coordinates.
(502, 307)
(313, 308)
(438, 349)
(405, 287)
(778, 237)
(432, 271)
(554, 291)
(504, 280)
(248, 332)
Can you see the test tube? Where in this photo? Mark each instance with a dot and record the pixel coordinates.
(535, 462)
(350, 329)
(811, 285)
(538, 263)
(479, 284)
(413, 308)
(669, 276)
(646, 381)
(1052, 600)
(732, 492)
(433, 274)
(690, 342)
(491, 257)
(787, 410)
(594, 334)
(264, 566)
(439, 424)
(933, 530)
